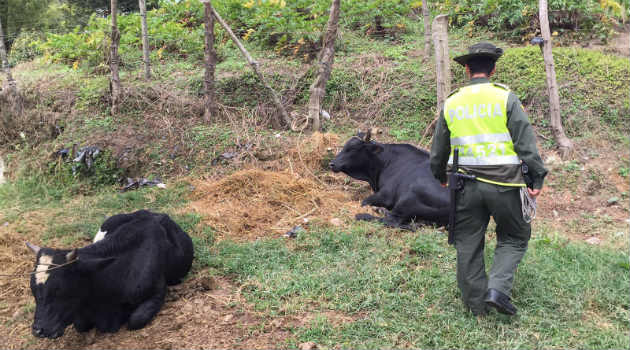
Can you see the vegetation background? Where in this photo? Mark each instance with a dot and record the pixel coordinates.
(339, 283)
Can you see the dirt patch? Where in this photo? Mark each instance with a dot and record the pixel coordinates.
(256, 203)
(577, 203)
(204, 312)
(201, 313)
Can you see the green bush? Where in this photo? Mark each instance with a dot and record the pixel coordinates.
(518, 19)
(25, 47)
(78, 178)
(176, 29)
(168, 37)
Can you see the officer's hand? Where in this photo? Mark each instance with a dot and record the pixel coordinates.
(534, 193)
(443, 185)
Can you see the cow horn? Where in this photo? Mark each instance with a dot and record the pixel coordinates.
(33, 247)
(368, 135)
(71, 256)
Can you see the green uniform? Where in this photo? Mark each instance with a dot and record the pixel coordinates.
(496, 193)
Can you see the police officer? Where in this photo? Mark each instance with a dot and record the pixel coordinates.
(486, 121)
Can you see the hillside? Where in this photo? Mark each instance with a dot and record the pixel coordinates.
(237, 185)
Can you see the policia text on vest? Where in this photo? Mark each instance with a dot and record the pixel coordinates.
(479, 130)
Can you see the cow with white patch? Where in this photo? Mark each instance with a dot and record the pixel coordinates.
(120, 278)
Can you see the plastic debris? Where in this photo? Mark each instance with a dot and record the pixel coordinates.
(224, 156)
(135, 183)
(612, 201)
(86, 155)
(293, 233)
(537, 41)
(63, 153)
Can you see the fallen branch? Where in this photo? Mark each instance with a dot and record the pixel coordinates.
(276, 98)
(429, 128)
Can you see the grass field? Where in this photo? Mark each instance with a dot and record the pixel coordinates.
(365, 286)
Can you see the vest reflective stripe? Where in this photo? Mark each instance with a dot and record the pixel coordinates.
(493, 160)
(476, 117)
(465, 140)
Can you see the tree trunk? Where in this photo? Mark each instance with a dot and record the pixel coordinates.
(552, 87)
(285, 120)
(440, 42)
(210, 60)
(10, 83)
(145, 39)
(326, 59)
(426, 14)
(113, 64)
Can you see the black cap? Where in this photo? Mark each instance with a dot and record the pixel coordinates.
(482, 49)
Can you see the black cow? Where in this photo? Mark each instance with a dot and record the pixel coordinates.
(120, 278)
(400, 177)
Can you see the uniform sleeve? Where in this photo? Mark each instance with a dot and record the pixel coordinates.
(440, 149)
(524, 140)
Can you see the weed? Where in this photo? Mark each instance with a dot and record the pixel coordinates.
(400, 290)
(572, 166)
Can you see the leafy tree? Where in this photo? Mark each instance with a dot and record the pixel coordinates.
(102, 6)
(17, 15)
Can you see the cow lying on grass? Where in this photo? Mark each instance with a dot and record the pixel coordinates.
(400, 177)
(120, 278)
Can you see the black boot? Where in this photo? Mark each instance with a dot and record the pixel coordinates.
(499, 301)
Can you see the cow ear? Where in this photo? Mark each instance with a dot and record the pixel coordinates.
(93, 265)
(368, 135)
(71, 256)
(375, 148)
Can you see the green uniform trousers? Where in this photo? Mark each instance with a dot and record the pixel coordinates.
(476, 202)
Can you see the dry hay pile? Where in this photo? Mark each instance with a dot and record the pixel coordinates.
(257, 203)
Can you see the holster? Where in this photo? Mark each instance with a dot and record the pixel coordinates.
(527, 176)
(455, 184)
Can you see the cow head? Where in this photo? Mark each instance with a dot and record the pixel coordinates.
(60, 284)
(357, 157)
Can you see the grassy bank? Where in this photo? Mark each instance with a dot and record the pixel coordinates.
(365, 286)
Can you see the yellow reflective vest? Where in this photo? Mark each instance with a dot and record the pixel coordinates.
(476, 116)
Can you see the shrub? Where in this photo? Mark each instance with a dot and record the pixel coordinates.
(518, 19)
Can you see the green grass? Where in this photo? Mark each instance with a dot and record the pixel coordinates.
(400, 291)
(394, 289)
(71, 218)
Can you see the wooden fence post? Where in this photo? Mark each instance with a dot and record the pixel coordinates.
(285, 120)
(326, 59)
(113, 64)
(443, 70)
(145, 39)
(442, 67)
(210, 60)
(11, 86)
(426, 14)
(552, 86)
